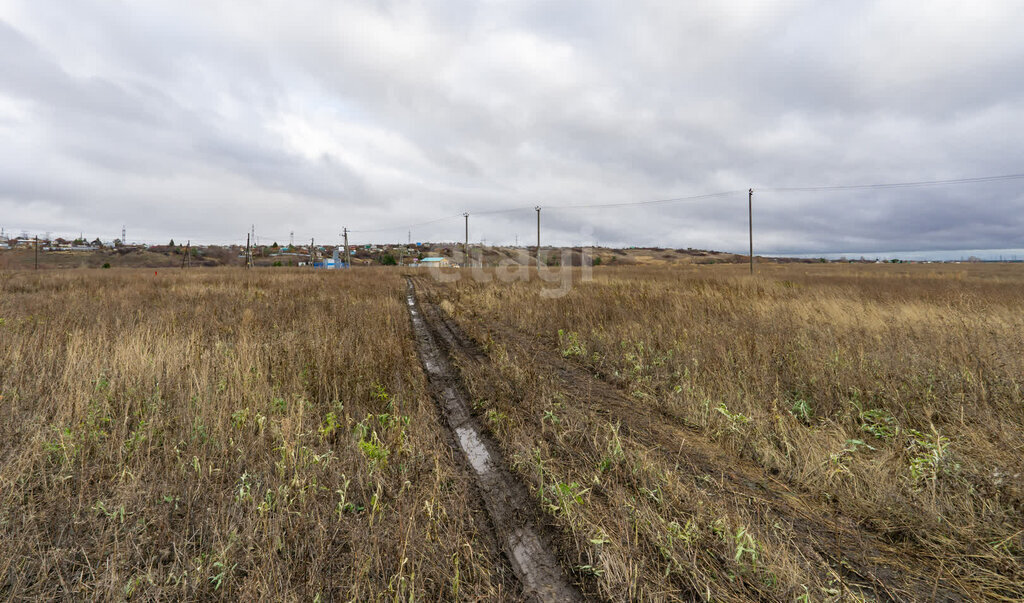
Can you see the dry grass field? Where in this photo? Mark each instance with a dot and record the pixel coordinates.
(226, 433)
(814, 433)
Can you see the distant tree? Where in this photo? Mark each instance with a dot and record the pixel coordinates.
(274, 246)
(97, 242)
(388, 260)
(117, 242)
(171, 244)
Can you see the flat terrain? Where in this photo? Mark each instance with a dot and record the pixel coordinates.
(227, 433)
(814, 433)
(266, 257)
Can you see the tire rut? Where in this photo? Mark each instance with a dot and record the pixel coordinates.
(874, 569)
(511, 510)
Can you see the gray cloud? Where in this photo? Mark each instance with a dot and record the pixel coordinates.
(197, 121)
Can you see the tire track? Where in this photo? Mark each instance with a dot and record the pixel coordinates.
(511, 510)
(871, 567)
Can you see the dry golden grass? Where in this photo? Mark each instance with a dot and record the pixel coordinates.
(813, 433)
(226, 433)
(888, 394)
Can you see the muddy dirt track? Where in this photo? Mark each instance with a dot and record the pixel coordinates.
(836, 547)
(514, 518)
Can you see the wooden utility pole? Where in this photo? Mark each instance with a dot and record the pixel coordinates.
(538, 235)
(465, 246)
(37, 252)
(750, 222)
(248, 255)
(311, 241)
(348, 255)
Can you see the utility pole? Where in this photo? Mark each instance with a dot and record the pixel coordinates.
(188, 252)
(348, 254)
(37, 252)
(750, 222)
(538, 235)
(311, 253)
(409, 239)
(465, 247)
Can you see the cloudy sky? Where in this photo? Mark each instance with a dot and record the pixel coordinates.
(196, 120)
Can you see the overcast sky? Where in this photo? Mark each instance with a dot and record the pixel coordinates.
(197, 119)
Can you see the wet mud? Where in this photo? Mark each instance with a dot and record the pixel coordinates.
(513, 513)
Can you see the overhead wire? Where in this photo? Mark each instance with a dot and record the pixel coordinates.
(882, 185)
(651, 202)
(405, 226)
(885, 185)
(823, 188)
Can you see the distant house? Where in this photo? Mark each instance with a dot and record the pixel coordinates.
(436, 262)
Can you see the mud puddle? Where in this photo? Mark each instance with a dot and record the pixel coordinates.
(509, 505)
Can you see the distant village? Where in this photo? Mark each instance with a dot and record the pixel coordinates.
(319, 256)
(421, 254)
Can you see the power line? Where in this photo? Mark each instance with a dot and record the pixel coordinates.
(405, 226)
(507, 210)
(652, 202)
(842, 187)
(523, 208)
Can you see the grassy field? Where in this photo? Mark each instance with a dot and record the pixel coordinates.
(882, 402)
(815, 433)
(226, 433)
